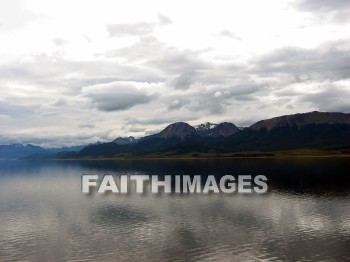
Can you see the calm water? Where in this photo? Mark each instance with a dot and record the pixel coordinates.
(305, 216)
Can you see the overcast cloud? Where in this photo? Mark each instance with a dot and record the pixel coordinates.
(332, 11)
(77, 72)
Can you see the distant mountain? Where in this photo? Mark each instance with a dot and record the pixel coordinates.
(205, 127)
(224, 129)
(301, 120)
(125, 140)
(20, 147)
(15, 151)
(177, 130)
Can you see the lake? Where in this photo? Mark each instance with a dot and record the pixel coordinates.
(304, 216)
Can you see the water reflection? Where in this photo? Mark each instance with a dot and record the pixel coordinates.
(304, 216)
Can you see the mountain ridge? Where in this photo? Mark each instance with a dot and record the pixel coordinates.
(312, 130)
(302, 119)
(319, 131)
(182, 130)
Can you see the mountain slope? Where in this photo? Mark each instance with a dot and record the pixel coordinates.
(301, 120)
(316, 136)
(319, 130)
(224, 129)
(179, 130)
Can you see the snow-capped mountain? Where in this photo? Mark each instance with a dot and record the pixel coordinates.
(183, 130)
(204, 127)
(215, 130)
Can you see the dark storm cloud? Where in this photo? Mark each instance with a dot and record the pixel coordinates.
(333, 98)
(335, 10)
(140, 28)
(184, 80)
(327, 62)
(118, 102)
(160, 120)
(116, 96)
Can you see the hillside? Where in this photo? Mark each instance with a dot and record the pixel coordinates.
(301, 120)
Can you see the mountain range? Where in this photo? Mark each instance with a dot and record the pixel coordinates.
(15, 151)
(329, 132)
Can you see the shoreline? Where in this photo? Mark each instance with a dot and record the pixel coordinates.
(204, 157)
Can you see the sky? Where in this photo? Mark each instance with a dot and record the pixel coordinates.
(77, 72)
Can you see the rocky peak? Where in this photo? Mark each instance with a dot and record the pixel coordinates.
(205, 126)
(179, 130)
